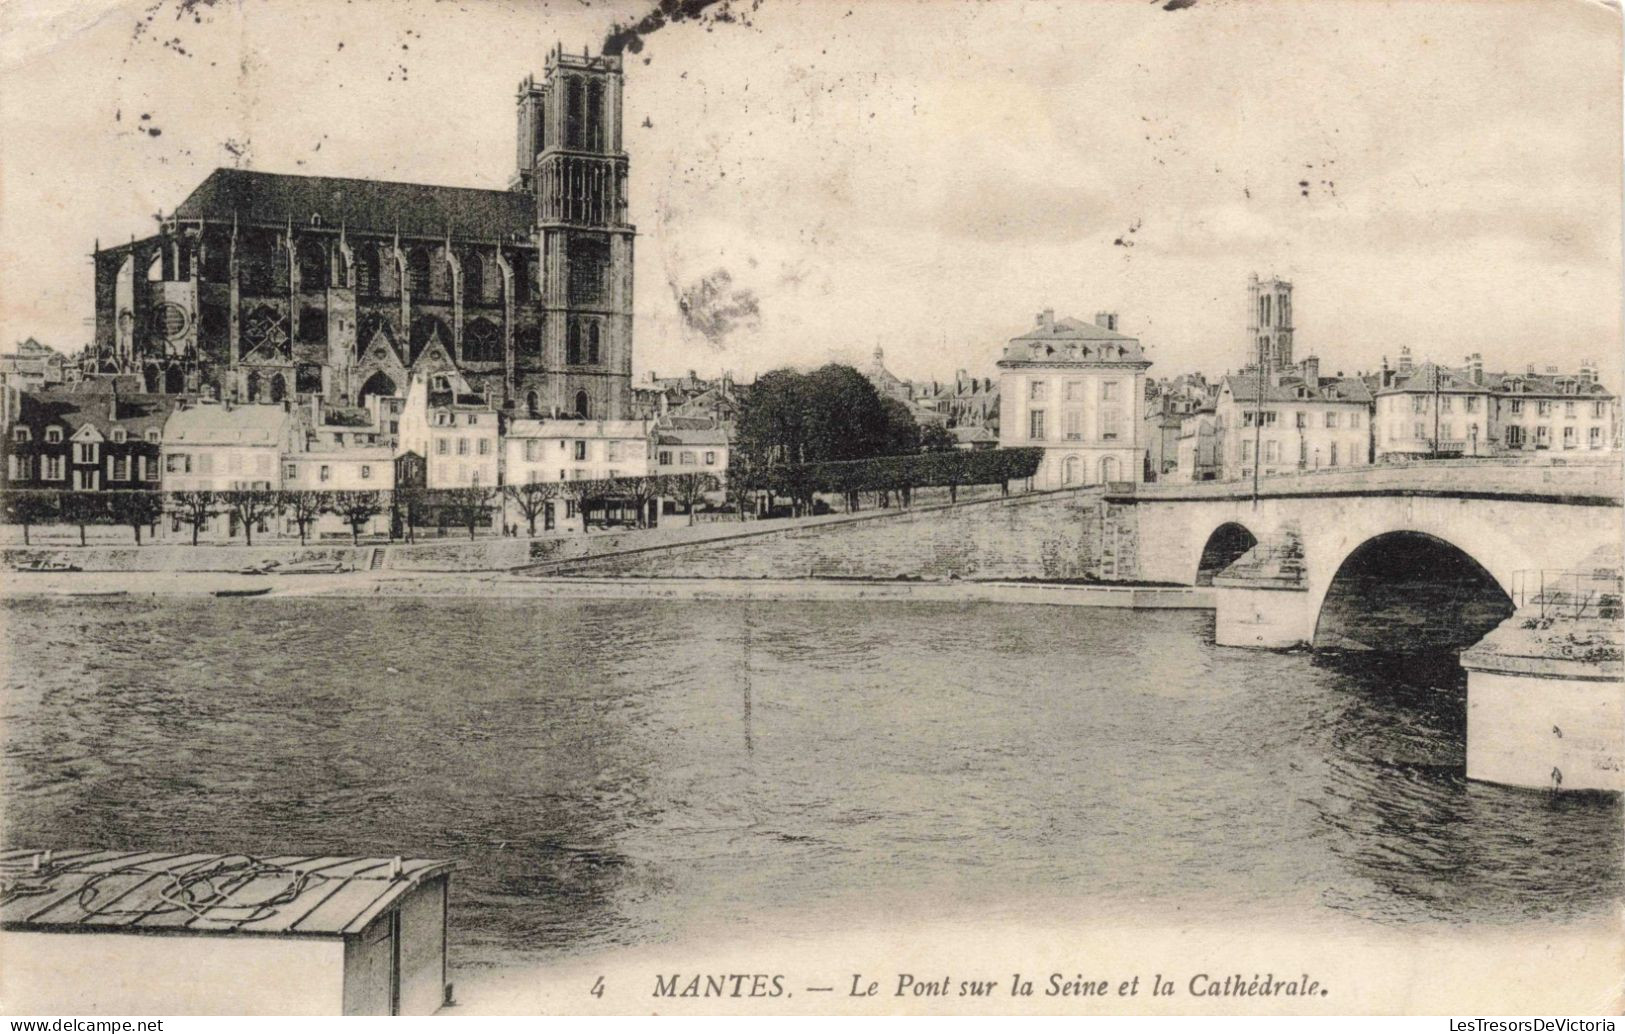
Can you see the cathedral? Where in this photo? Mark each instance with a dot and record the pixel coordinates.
(265, 287)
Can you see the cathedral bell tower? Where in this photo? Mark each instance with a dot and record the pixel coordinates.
(1270, 326)
(571, 160)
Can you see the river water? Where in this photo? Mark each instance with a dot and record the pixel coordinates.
(628, 772)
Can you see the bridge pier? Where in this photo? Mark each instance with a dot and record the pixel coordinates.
(1262, 600)
(1546, 704)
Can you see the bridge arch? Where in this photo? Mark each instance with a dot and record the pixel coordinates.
(1406, 592)
(1224, 546)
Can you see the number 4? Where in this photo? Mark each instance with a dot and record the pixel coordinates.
(598, 988)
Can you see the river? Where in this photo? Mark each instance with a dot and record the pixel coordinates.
(626, 772)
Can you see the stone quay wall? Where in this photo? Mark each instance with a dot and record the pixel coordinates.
(1061, 535)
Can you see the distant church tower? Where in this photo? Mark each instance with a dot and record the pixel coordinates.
(571, 159)
(1269, 329)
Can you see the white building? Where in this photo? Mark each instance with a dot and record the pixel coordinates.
(339, 449)
(220, 447)
(680, 449)
(454, 429)
(1074, 389)
(1432, 411)
(1304, 422)
(558, 451)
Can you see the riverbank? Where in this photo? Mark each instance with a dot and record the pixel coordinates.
(364, 584)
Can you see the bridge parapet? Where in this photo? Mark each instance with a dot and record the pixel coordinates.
(1591, 481)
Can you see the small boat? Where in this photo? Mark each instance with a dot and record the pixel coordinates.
(263, 567)
(314, 567)
(44, 564)
(261, 591)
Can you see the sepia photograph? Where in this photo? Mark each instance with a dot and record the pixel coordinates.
(811, 507)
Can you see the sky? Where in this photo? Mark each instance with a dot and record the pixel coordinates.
(919, 175)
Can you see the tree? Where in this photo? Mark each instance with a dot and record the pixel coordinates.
(690, 488)
(471, 506)
(305, 506)
(741, 483)
(27, 507)
(136, 509)
(251, 506)
(901, 434)
(194, 508)
(357, 508)
(639, 491)
(83, 508)
(532, 498)
(843, 415)
(937, 438)
(409, 503)
(770, 428)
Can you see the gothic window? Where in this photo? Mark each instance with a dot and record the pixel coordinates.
(427, 330)
(279, 388)
(482, 341)
(589, 265)
(595, 116)
(533, 405)
(266, 327)
(174, 380)
(151, 378)
(417, 272)
(253, 385)
(592, 343)
(473, 278)
(312, 265)
(312, 325)
(370, 277)
(574, 113)
(528, 341)
(308, 379)
(572, 353)
(581, 405)
(216, 261)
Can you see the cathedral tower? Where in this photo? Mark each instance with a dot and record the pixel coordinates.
(1269, 328)
(571, 159)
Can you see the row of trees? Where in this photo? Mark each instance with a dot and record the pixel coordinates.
(883, 475)
(833, 413)
(409, 508)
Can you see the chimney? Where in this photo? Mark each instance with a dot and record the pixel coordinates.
(1529, 371)
(1475, 366)
(1106, 320)
(1405, 361)
(1311, 370)
(1046, 319)
(1588, 371)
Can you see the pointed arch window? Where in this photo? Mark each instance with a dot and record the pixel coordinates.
(572, 352)
(417, 272)
(592, 343)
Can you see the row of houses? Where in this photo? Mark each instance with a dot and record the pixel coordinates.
(1298, 419)
(100, 435)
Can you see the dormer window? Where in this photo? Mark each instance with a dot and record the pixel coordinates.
(152, 436)
(119, 435)
(20, 434)
(53, 435)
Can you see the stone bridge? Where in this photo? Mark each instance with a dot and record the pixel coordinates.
(1424, 555)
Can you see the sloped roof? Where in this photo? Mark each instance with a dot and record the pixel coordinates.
(1073, 340)
(692, 436)
(130, 891)
(374, 205)
(251, 424)
(1456, 379)
(74, 409)
(1243, 387)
